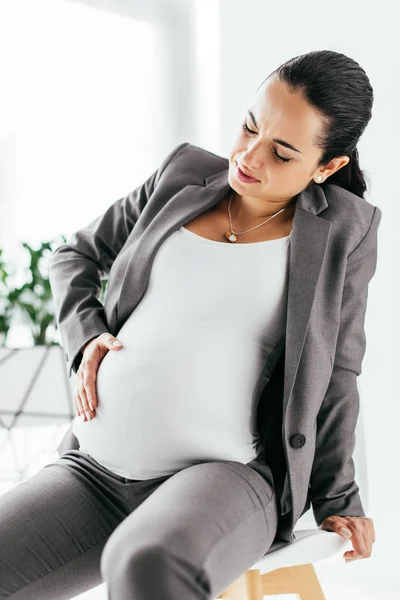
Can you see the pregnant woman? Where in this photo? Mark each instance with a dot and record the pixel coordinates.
(237, 288)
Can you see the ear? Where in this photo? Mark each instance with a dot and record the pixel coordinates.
(334, 165)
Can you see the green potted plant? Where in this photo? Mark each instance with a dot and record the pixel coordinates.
(36, 395)
(33, 298)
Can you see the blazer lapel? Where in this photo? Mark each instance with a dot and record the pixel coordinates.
(189, 202)
(309, 238)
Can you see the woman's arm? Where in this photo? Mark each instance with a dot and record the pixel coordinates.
(77, 266)
(333, 488)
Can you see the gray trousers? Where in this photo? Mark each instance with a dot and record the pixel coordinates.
(75, 525)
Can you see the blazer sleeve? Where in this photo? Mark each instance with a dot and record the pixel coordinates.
(77, 266)
(333, 490)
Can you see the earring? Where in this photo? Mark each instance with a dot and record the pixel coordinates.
(319, 178)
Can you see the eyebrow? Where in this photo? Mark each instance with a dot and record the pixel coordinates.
(281, 142)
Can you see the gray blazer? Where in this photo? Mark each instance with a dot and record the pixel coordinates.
(307, 411)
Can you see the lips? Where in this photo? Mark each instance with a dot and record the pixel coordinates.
(243, 176)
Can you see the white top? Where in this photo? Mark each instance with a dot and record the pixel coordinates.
(181, 389)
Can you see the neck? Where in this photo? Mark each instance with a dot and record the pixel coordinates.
(253, 209)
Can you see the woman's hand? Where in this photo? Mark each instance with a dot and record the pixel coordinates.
(85, 397)
(359, 529)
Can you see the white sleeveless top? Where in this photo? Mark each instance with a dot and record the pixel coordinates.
(181, 389)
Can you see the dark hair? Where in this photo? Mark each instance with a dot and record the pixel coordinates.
(340, 91)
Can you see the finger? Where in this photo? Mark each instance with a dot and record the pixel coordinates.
(369, 536)
(83, 397)
(113, 343)
(89, 382)
(77, 398)
(358, 539)
(87, 372)
(77, 402)
(372, 528)
(85, 404)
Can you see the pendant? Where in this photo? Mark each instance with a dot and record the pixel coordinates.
(230, 236)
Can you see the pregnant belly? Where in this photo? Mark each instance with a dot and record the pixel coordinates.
(122, 383)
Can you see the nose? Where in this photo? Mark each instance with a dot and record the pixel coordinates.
(251, 160)
(250, 166)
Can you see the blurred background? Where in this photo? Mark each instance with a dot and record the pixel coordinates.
(95, 93)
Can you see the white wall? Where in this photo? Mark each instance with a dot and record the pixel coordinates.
(258, 36)
(92, 100)
(94, 95)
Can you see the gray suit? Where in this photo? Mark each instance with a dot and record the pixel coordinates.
(308, 408)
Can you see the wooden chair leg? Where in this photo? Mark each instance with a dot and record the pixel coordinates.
(254, 585)
(301, 580)
(236, 591)
(307, 584)
(247, 587)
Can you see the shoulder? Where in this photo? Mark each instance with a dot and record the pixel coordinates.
(351, 216)
(187, 163)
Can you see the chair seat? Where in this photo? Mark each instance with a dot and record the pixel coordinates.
(310, 546)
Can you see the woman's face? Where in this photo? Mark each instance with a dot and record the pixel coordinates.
(282, 172)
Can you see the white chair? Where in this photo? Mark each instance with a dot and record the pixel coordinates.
(289, 569)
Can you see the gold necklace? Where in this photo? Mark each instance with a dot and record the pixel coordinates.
(230, 235)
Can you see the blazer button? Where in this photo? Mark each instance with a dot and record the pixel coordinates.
(297, 440)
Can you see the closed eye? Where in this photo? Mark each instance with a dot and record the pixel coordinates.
(274, 152)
